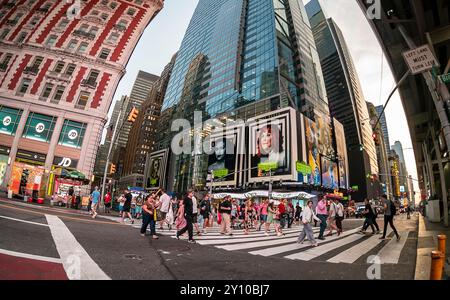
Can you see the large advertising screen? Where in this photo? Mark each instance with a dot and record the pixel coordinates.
(330, 178)
(155, 176)
(272, 146)
(224, 149)
(312, 151)
(341, 147)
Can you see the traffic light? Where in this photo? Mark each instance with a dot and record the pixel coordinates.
(112, 169)
(375, 138)
(133, 115)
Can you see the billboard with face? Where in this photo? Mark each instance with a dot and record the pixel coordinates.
(341, 149)
(225, 155)
(324, 134)
(155, 174)
(312, 151)
(330, 178)
(271, 138)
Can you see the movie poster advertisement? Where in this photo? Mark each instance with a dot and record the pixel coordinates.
(341, 148)
(324, 134)
(224, 155)
(155, 176)
(271, 137)
(330, 177)
(312, 151)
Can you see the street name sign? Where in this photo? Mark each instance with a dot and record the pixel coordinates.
(420, 60)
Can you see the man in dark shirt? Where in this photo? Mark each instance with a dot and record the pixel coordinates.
(127, 207)
(369, 215)
(225, 211)
(188, 214)
(205, 211)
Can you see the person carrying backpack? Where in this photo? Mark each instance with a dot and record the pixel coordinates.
(389, 212)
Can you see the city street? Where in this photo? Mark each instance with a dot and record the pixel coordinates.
(48, 243)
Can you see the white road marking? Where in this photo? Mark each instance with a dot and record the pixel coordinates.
(24, 221)
(291, 247)
(31, 256)
(352, 254)
(71, 252)
(318, 251)
(390, 254)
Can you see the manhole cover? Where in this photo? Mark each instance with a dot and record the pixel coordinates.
(133, 256)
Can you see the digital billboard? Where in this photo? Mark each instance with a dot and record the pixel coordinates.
(341, 149)
(155, 176)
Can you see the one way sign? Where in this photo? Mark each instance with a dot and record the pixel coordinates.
(420, 60)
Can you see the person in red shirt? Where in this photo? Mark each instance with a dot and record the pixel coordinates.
(107, 203)
(282, 212)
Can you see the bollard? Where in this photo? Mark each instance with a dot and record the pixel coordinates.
(437, 263)
(441, 243)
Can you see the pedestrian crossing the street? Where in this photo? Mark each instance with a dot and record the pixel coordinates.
(348, 248)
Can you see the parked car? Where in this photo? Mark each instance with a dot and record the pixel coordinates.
(359, 211)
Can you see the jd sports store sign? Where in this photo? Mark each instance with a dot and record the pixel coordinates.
(9, 120)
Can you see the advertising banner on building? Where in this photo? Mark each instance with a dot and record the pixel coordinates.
(225, 153)
(273, 146)
(330, 178)
(312, 151)
(72, 134)
(39, 127)
(341, 148)
(155, 177)
(9, 119)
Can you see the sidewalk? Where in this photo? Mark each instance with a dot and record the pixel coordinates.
(427, 242)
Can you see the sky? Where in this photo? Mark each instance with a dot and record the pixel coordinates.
(164, 35)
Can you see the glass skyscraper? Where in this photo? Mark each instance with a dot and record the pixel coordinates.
(238, 59)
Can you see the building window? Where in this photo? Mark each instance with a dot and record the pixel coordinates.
(5, 62)
(59, 66)
(23, 88)
(22, 37)
(58, 94)
(82, 100)
(131, 11)
(93, 76)
(70, 69)
(113, 5)
(72, 44)
(4, 33)
(72, 134)
(31, 2)
(51, 41)
(39, 127)
(113, 37)
(34, 21)
(105, 17)
(47, 91)
(93, 30)
(83, 47)
(138, 2)
(104, 53)
(95, 12)
(63, 23)
(37, 61)
(10, 120)
(105, 2)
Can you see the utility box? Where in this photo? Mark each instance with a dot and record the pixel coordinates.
(433, 211)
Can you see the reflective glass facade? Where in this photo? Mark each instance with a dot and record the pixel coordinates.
(241, 58)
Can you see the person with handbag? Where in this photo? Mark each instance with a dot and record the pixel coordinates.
(322, 214)
(180, 221)
(148, 217)
(307, 218)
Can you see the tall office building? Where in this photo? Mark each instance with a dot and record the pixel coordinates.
(141, 87)
(238, 59)
(143, 132)
(384, 126)
(60, 63)
(345, 97)
(403, 173)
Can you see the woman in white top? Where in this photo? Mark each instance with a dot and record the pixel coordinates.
(307, 218)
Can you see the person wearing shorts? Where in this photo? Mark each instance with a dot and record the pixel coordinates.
(127, 207)
(263, 213)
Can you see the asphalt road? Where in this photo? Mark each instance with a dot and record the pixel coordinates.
(118, 251)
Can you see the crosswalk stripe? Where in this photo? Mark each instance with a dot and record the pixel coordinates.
(318, 251)
(268, 242)
(249, 238)
(291, 247)
(390, 254)
(352, 254)
(240, 233)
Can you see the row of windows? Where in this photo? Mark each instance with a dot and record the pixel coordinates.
(40, 127)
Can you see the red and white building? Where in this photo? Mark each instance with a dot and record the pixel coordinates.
(60, 64)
